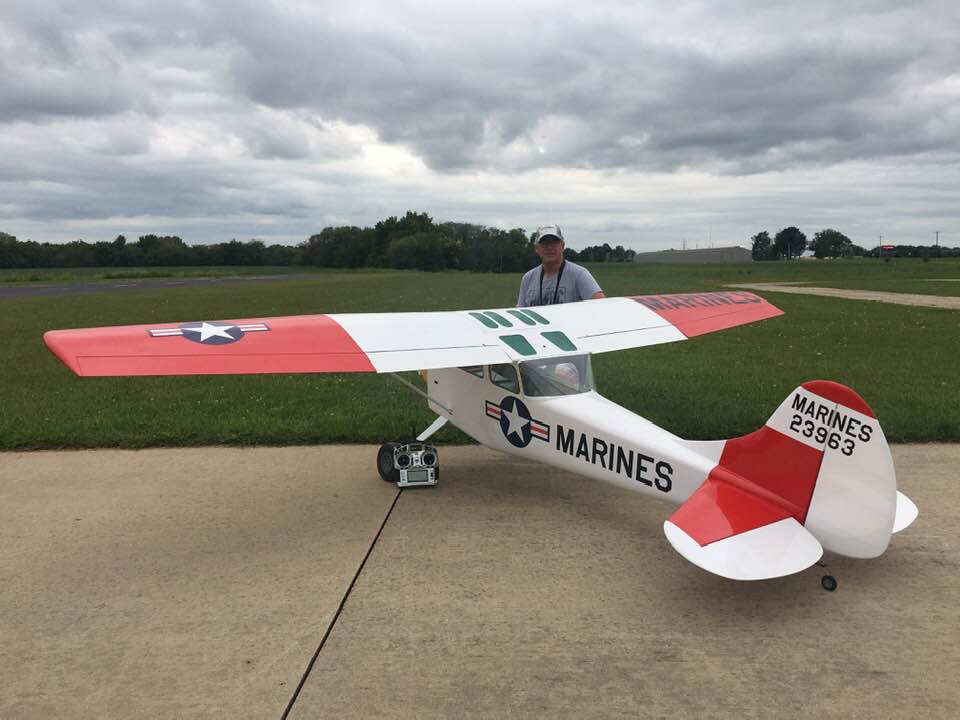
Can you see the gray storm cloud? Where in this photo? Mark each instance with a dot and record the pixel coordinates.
(96, 94)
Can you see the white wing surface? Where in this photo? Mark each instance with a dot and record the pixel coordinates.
(391, 342)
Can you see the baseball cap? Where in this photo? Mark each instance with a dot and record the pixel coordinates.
(548, 231)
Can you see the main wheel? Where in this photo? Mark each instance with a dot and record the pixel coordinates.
(385, 462)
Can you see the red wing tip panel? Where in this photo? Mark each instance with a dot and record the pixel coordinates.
(780, 548)
(298, 344)
(700, 313)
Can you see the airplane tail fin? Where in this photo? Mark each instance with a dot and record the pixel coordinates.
(819, 472)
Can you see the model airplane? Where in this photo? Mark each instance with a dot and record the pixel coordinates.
(817, 476)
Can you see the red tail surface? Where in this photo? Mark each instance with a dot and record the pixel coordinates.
(819, 469)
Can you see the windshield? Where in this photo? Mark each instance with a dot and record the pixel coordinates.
(557, 376)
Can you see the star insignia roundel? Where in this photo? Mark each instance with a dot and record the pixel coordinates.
(210, 333)
(516, 424)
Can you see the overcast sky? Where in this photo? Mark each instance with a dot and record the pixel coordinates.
(643, 124)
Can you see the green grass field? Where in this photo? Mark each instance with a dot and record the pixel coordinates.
(910, 275)
(903, 360)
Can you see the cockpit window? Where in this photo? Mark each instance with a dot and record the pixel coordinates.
(557, 376)
(505, 376)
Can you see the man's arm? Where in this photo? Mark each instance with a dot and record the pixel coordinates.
(597, 295)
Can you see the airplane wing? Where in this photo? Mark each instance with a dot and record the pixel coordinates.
(738, 530)
(392, 342)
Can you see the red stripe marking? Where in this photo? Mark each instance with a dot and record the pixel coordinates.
(841, 394)
(720, 509)
(785, 467)
(700, 313)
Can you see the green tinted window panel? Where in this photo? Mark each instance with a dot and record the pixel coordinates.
(560, 340)
(519, 344)
(536, 316)
(500, 319)
(522, 317)
(485, 320)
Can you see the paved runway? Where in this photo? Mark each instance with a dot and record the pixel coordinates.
(59, 288)
(200, 583)
(896, 298)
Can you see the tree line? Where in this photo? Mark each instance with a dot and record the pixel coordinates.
(411, 241)
(791, 243)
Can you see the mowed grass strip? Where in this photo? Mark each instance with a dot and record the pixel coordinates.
(903, 275)
(937, 276)
(902, 360)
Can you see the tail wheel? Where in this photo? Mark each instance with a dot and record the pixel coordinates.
(385, 462)
(829, 583)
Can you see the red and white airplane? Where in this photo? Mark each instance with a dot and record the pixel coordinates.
(817, 476)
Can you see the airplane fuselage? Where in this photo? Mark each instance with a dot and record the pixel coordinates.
(584, 433)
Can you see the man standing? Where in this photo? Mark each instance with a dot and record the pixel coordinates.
(556, 280)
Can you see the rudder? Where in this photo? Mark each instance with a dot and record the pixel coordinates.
(825, 455)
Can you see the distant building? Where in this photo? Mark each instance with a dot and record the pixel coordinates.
(695, 257)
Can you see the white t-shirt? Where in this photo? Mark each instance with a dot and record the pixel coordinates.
(576, 283)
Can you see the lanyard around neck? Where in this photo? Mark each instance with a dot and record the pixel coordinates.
(556, 289)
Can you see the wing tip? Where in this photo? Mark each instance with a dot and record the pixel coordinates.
(54, 340)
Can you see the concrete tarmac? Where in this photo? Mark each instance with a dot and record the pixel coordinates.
(200, 582)
(934, 301)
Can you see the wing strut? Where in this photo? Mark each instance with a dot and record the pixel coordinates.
(420, 392)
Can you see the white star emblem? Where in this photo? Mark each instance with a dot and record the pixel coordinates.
(515, 423)
(208, 330)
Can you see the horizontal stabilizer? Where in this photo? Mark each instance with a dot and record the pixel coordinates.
(774, 550)
(906, 512)
(737, 529)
